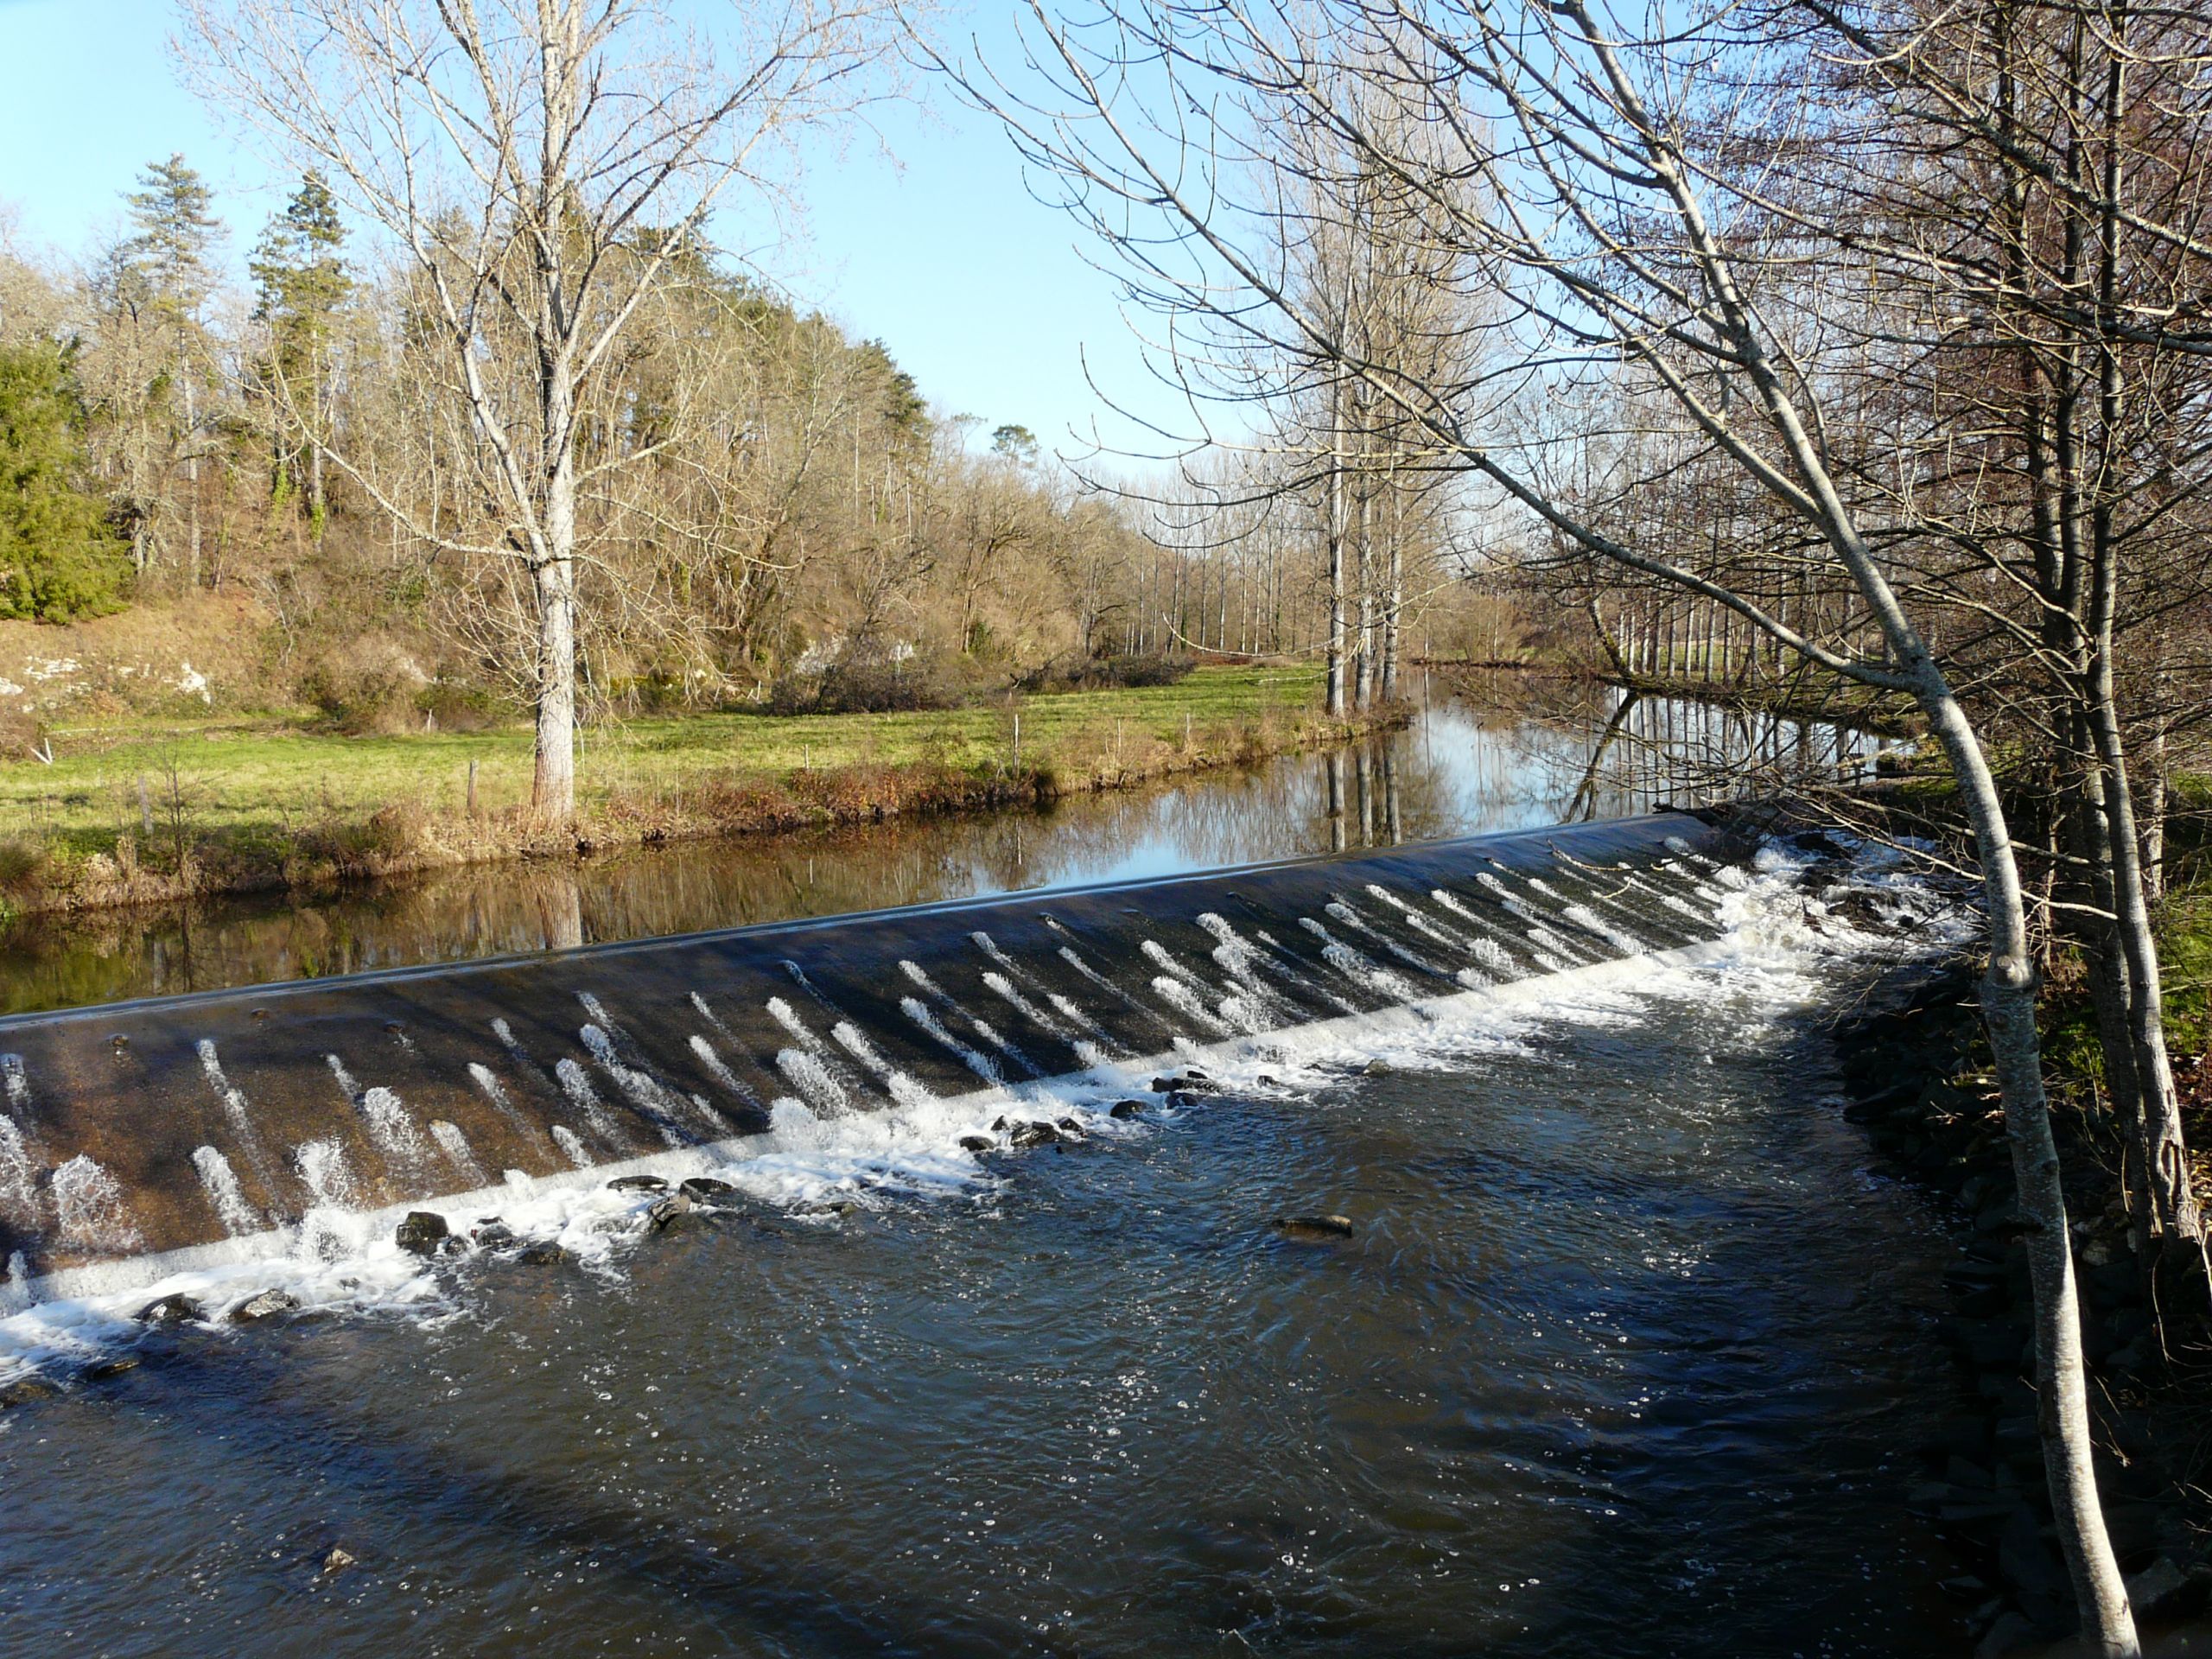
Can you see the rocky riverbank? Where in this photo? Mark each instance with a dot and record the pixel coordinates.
(1913, 1067)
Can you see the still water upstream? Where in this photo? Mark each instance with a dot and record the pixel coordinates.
(1459, 769)
(1628, 1353)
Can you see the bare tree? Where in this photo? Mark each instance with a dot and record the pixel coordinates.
(537, 164)
(1623, 231)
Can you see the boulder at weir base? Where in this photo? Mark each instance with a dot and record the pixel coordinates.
(424, 1233)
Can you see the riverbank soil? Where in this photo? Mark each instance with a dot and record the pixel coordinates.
(150, 810)
(1917, 1081)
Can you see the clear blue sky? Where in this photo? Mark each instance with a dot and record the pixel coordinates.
(976, 289)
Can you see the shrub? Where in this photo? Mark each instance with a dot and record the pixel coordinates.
(868, 688)
(22, 862)
(365, 690)
(460, 706)
(1098, 673)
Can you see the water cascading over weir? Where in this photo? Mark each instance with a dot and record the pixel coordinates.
(139, 1137)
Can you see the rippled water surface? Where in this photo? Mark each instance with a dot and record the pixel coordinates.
(1628, 1356)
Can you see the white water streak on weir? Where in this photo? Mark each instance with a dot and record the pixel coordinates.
(575, 1083)
(571, 1149)
(813, 1079)
(716, 1067)
(983, 1029)
(712, 1018)
(1358, 967)
(980, 1064)
(234, 1106)
(17, 1081)
(18, 1178)
(452, 1142)
(221, 1182)
(903, 1089)
(655, 1102)
(330, 1184)
(90, 1211)
(389, 1125)
(1338, 909)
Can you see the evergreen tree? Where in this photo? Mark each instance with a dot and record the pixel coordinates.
(60, 559)
(165, 263)
(302, 283)
(174, 233)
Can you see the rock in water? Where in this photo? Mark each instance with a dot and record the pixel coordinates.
(26, 1391)
(701, 1189)
(1033, 1134)
(1126, 1109)
(665, 1211)
(266, 1306)
(422, 1232)
(336, 1561)
(1071, 1129)
(978, 1143)
(637, 1184)
(544, 1253)
(493, 1234)
(1314, 1226)
(175, 1309)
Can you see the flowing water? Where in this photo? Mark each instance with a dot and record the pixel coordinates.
(1460, 769)
(1628, 1352)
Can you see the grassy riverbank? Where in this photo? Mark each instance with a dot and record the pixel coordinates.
(146, 810)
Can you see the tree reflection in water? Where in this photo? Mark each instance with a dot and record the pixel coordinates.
(1466, 765)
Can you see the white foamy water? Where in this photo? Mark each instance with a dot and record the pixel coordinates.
(1774, 939)
(392, 1128)
(220, 1182)
(18, 1177)
(811, 1079)
(91, 1213)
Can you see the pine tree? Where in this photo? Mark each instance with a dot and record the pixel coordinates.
(167, 260)
(60, 559)
(302, 283)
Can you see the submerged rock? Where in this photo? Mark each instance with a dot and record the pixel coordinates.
(1313, 1226)
(1126, 1109)
(1376, 1069)
(266, 1306)
(113, 1366)
(637, 1184)
(705, 1189)
(26, 1391)
(542, 1253)
(422, 1232)
(826, 1207)
(493, 1234)
(174, 1309)
(978, 1143)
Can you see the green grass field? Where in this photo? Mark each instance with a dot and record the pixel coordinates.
(242, 780)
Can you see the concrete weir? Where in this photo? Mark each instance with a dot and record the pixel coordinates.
(161, 1126)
